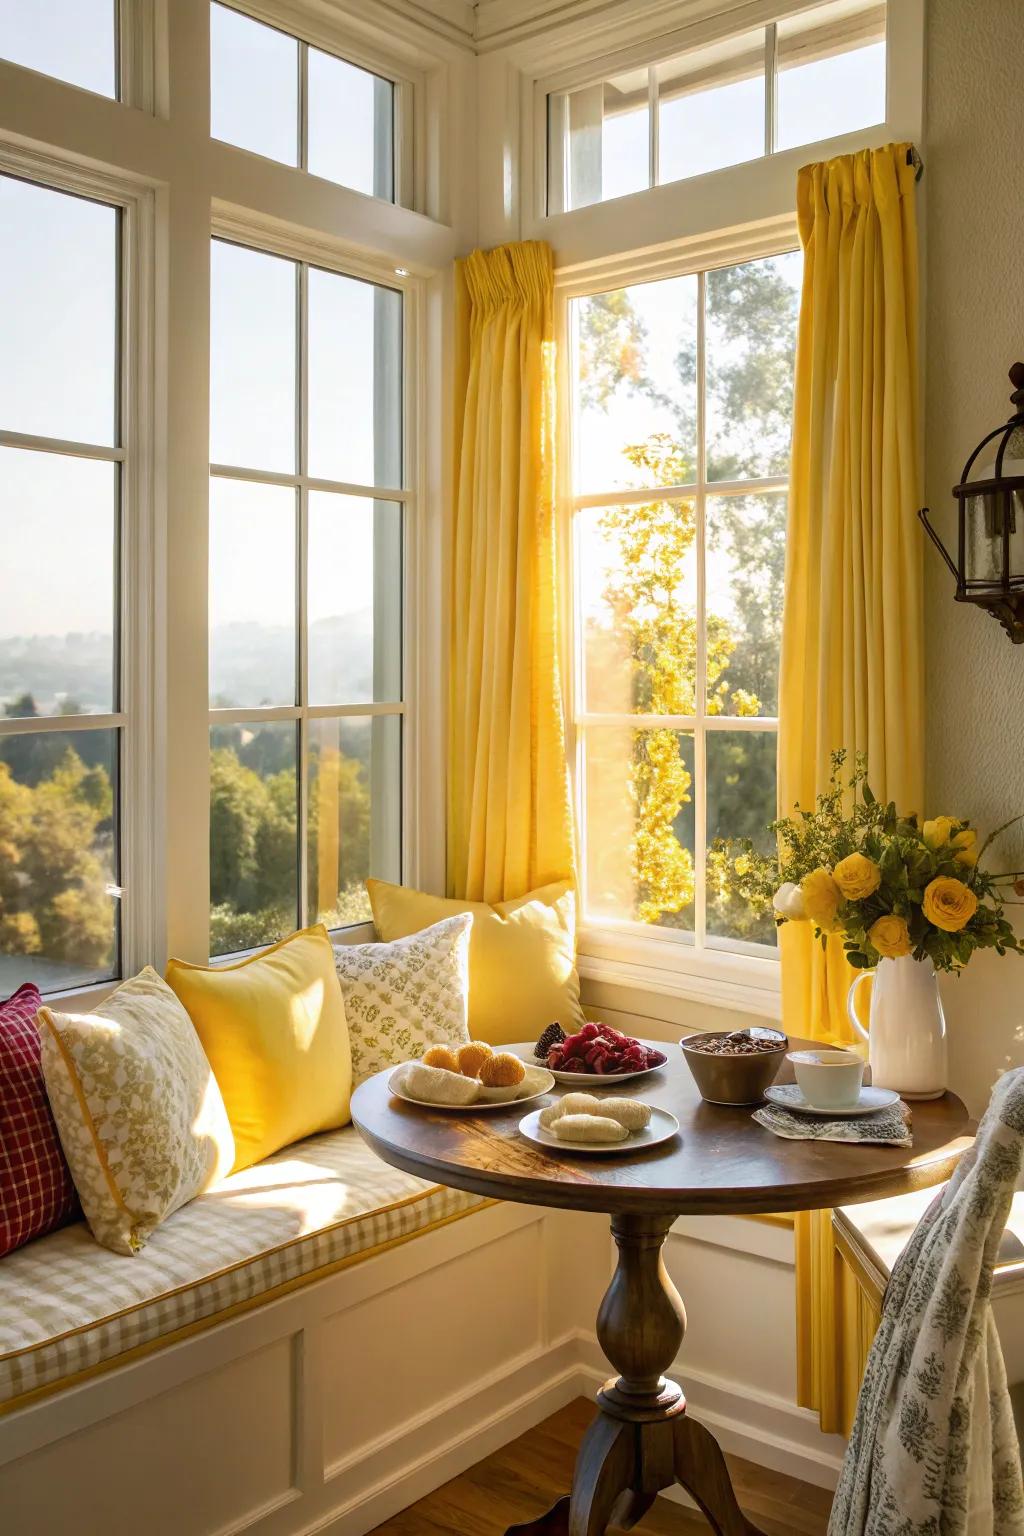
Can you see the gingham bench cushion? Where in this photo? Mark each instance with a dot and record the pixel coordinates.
(68, 1306)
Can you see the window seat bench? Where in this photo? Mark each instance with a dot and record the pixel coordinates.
(70, 1308)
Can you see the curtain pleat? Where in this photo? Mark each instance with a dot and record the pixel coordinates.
(852, 669)
(509, 822)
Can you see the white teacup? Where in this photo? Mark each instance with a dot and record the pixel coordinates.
(828, 1079)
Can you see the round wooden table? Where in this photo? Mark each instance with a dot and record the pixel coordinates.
(722, 1163)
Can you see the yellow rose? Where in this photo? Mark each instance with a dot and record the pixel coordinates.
(890, 936)
(938, 832)
(857, 876)
(949, 904)
(742, 865)
(821, 899)
(965, 843)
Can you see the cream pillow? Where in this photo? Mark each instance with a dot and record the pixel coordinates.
(404, 996)
(522, 955)
(140, 1116)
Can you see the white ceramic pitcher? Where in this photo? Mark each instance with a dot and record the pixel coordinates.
(907, 1034)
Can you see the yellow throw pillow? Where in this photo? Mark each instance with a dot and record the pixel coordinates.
(273, 1026)
(522, 955)
(140, 1117)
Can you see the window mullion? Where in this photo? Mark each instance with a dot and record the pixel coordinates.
(303, 99)
(302, 589)
(699, 754)
(654, 141)
(771, 82)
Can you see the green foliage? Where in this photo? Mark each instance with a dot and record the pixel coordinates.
(56, 842)
(752, 310)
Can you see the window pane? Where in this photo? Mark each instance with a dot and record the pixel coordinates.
(831, 64)
(711, 108)
(638, 825)
(254, 86)
(599, 141)
(252, 359)
(740, 803)
(751, 338)
(58, 519)
(355, 814)
(354, 599)
(350, 125)
(636, 394)
(254, 877)
(637, 574)
(59, 923)
(744, 571)
(71, 40)
(58, 314)
(355, 380)
(252, 594)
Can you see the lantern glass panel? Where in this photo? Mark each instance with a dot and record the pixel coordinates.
(986, 517)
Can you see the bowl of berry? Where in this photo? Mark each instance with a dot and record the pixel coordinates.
(595, 1050)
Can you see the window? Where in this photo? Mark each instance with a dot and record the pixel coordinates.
(73, 40)
(811, 76)
(306, 576)
(682, 404)
(61, 464)
(280, 97)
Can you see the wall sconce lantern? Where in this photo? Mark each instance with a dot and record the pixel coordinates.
(989, 568)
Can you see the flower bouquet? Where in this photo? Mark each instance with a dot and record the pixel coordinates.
(887, 885)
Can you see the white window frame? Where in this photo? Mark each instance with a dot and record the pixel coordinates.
(733, 974)
(139, 802)
(310, 31)
(152, 151)
(258, 235)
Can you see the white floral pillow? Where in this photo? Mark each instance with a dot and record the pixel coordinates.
(141, 1119)
(404, 996)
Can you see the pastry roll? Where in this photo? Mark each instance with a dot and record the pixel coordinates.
(589, 1128)
(630, 1113)
(433, 1085)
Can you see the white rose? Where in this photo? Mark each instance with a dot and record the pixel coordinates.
(788, 901)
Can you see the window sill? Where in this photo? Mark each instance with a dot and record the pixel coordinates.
(717, 978)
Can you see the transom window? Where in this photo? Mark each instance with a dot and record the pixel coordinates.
(306, 577)
(62, 461)
(682, 393)
(278, 96)
(811, 76)
(72, 40)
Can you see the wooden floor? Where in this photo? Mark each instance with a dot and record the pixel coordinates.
(524, 1478)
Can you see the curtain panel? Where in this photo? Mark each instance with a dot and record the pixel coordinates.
(852, 668)
(509, 818)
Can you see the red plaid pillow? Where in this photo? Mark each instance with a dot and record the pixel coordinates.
(36, 1192)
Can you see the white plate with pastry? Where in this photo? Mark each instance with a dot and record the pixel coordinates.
(472, 1095)
(661, 1127)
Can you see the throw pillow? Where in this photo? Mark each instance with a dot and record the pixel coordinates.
(140, 1117)
(402, 997)
(273, 1026)
(522, 955)
(36, 1190)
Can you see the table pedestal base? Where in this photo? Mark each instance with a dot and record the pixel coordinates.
(642, 1440)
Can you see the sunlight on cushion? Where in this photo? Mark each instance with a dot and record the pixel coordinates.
(273, 1027)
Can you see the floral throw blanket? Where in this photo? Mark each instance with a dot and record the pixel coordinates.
(933, 1450)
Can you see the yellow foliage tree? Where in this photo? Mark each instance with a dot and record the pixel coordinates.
(651, 602)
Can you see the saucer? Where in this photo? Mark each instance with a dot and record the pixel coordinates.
(789, 1096)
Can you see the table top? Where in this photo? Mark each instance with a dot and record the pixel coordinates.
(721, 1162)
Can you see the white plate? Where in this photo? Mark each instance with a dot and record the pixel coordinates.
(527, 1098)
(661, 1128)
(789, 1096)
(588, 1079)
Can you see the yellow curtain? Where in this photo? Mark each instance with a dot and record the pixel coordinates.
(852, 672)
(509, 826)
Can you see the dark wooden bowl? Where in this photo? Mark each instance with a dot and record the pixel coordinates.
(733, 1079)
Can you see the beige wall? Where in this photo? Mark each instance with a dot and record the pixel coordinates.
(974, 330)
